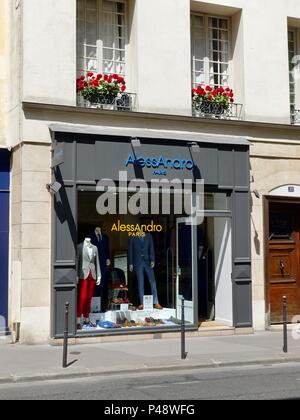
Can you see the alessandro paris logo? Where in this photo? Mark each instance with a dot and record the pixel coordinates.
(136, 230)
(160, 164)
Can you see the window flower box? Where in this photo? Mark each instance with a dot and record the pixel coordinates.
(101, 91)
(209, 102)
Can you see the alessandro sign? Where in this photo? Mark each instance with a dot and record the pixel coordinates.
(160, 164)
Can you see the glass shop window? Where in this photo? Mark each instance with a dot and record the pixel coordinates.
(128, 275)
(134, 270)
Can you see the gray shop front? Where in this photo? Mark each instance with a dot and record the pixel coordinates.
(208, 265)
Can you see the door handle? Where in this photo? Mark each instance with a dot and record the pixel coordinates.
(282, 266)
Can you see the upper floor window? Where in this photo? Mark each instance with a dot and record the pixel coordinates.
(210, 50)
(292, 39)
(101, 36)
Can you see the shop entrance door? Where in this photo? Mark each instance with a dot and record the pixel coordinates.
(284, 260)
(185, 268)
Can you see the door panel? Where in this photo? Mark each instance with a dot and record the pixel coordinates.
(184, 268)
(283, 261)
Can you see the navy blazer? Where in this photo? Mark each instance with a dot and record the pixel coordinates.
(141, 250)
(103, 249)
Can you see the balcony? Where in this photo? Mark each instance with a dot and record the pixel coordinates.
(123, 102)
(217, 111)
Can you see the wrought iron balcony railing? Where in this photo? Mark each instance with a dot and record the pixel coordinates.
(217, 111)
(295, 117)
(123, 102)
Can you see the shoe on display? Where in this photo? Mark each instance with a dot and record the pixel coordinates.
(158, 306)
(79, 327)
(141, 308)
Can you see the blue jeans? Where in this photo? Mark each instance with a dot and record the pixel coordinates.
(140, 270)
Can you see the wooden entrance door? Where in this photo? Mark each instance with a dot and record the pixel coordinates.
(283, 260)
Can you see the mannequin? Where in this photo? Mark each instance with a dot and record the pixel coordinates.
(142, 259)
(89, 275)
(101, 241)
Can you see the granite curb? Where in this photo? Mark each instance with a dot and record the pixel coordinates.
(90, 373)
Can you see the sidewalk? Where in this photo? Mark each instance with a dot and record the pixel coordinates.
(20, 363)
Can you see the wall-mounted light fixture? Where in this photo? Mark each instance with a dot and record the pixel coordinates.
(256, 193)
(54, 187)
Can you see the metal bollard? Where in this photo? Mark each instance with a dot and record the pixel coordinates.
(285, 329)
(183, 352)
(66, 336)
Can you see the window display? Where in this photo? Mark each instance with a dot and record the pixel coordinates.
(147, 265)
(139, 285)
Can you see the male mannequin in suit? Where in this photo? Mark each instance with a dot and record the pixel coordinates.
(89, 275)
(142, 259)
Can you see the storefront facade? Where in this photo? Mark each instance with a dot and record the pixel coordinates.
(209, 265)
(4, 237)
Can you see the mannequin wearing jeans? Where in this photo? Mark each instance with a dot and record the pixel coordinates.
(142, 260)
(89, 275)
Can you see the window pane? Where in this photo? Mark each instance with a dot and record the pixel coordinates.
(108, 66)
(120, 68)
(224, 80)
(108, 54)
(198, 21)
(199, 49)
(91, 19)
(223, 23)
(108, 6)
(92, 65)
(107, 25)
(292, 48)
(91, 4)
(91, 36)
(119, 55)
(199, 78)
(224, 36)
(91, 52)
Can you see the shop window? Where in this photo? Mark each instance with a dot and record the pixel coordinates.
(101, 36)
(210, 37)
(148, 263)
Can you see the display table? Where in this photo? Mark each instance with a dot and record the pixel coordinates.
(137, 317)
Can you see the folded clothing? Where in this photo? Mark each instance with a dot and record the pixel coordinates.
(106, 324)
